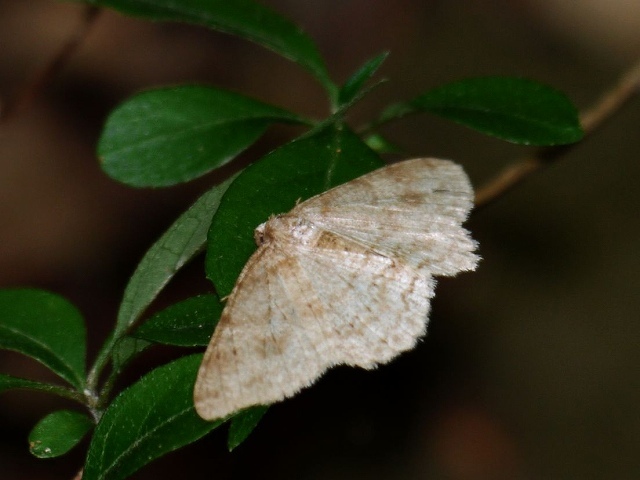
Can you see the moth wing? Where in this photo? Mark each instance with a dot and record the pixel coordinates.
(297, 311)
(411, 210)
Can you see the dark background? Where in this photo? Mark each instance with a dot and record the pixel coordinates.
(531, 365)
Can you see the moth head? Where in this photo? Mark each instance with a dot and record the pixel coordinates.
(285, 228)
(258, 233)
(265, 232)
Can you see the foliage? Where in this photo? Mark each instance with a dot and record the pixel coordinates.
(166, 136)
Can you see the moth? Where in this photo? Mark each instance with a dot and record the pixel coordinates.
(346, 277)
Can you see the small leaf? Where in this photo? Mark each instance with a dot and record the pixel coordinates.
(243, 424)
(7, 382)
(244, 18)
(172, 135)
(149, 419)
(296, 171)
(47, 328)
(181, 242)
(125, 350)
(353, 85)
(513, 109)
(380, 144)
(57, 433)
(189, 323)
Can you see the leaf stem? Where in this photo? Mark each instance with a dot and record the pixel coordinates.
(103, 358)
(391, 113)
(338, 114)
(107, 386)
(591, 120)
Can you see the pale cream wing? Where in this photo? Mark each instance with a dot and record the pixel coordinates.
(411, 210)
(297, 311)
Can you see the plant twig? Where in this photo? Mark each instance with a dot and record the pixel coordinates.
(41, 78)
(591, 119)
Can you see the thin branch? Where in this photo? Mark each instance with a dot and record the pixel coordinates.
(591, 119)
(41, 78)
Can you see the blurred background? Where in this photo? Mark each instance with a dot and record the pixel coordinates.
(531, 367)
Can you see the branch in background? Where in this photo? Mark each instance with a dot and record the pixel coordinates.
(32, 88)
(591, 119)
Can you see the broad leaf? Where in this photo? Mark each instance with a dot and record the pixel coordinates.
(355, 83)
(189, 323)
(513, 109)
(243, 424)
(181, 242)
(149, 419)
(57, 433)
(244, 18)
(296, 171)
(46, 327)
(172, 135)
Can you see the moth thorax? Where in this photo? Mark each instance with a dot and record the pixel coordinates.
(286, 229)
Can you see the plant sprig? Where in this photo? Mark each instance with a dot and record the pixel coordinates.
(196, 130)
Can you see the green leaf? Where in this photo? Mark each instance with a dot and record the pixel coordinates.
(181, 242)
(47, 328)
(380, 144)
(296, 171)
(125, 350)
(355, 83)
(189, 323)
(167, 136)
(149, 419)
(243, 424)
(513, 109)
(7, 382)
(57, 433)
(244, 18)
